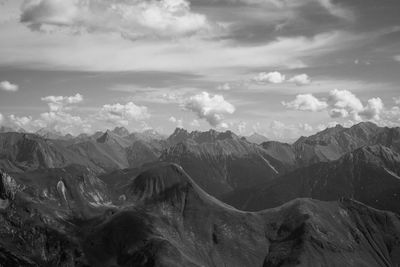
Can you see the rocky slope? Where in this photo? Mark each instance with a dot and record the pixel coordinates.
(101, 152)
(175, 223)
(368, 174)
(167, 220)
(221, 162)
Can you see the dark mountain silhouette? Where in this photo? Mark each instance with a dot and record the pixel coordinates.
(368, 174)
(175, 223)
(167, 220)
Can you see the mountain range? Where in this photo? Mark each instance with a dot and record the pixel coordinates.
(210, 198)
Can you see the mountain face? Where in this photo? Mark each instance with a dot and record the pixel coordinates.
(257, 138)
(24, 152)
(332, 143)
(221, 162)
(101, 152)
(369, 174)
(38, 213)
(65, 217)
(175, 223)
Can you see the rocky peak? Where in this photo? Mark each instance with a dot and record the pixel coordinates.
(120, 131)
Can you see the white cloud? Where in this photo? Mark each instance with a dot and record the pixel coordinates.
(195, 123)
(122, 114)
(306, 102)
(338, 113)
(270, 77)
(373, 109)
(242, 127)
(7, 86)
(1, 119)
(58, 118)
(57, 103)
(212, 108)
(301, 79)
(178, 122)
(396, 100)
(346, 103)
(24, 122)
(132, 19)
(224, 87)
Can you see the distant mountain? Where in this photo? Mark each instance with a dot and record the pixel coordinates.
(332, 143)
(5, 129)
(369, 174)
(24, 152)
(181, 135)
(51, 134)
(221, 161)
(121, 131)
(257, 138)
(101, 152)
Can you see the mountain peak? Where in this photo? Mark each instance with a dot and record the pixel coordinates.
(121, 131)
(257, 138)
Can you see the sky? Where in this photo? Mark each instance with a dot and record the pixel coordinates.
(281, 68)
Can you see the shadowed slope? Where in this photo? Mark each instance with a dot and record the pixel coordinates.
(178, 224)
(369, 174)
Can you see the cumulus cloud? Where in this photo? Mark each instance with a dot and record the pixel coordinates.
(301, 79)
(57, 118)
(270, 77)
(132, 19)
(212, 108)
(373, 109)
(57, 103)
(7, 86)
(341, 104)
(396, 100)
(64, 116)
(306, 102)
(195, 123)
(122, 114)
(345, 103)
(224, 87)
(178, 122)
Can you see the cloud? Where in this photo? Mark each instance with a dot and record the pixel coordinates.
(224, 87)
(342, 104)
(178, 122)
(57, 103)
(122, 114)
(270, 77)
(212, 108)
(7, 86)
(374, 109)
(301, 79)
(397, 58)
(195, 123)
(24, 122)
(396, 100)
(306, 102)
(345, 103)
(1, 119)
(132, 19)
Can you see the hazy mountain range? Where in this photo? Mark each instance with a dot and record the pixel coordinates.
(211, 198)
